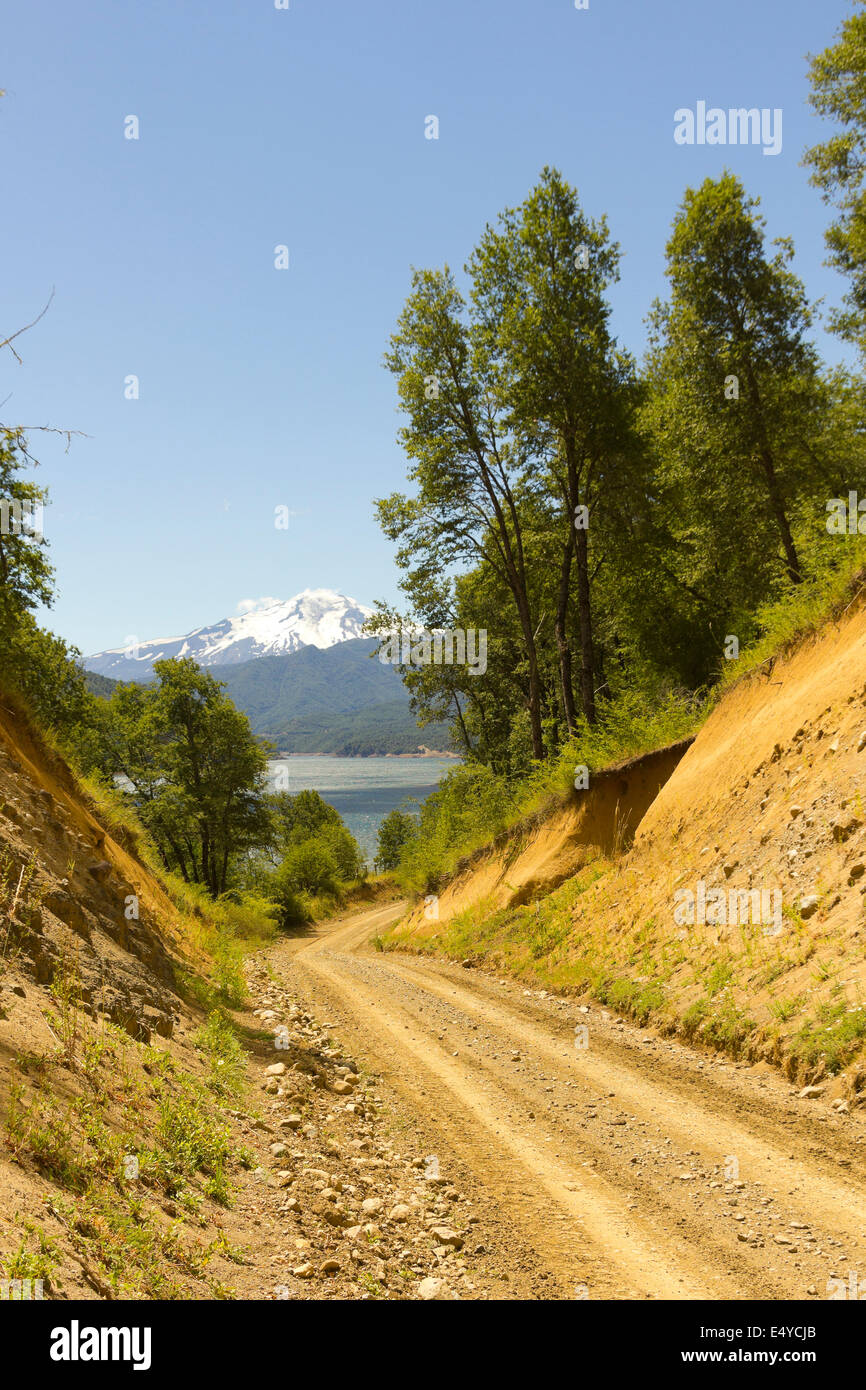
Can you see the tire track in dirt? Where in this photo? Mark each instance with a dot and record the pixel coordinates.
(648, 1094)
(610, 1161)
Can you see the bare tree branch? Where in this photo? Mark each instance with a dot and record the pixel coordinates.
(7, 342)
(19, 430)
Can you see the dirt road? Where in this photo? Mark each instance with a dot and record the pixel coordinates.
(631, 1166)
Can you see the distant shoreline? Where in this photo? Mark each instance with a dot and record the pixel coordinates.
(427, 753)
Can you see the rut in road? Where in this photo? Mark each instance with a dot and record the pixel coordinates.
(635, 1167)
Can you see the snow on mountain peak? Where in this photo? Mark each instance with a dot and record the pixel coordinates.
(262, 627)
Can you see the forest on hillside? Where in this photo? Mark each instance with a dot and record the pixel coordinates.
(624, 531)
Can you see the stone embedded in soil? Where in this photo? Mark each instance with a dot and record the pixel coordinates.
(432, 1290)
(445, 1236)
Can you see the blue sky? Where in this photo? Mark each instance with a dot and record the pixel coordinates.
(305, 127)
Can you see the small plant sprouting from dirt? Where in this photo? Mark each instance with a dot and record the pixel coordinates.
(134, 1136)
(827, 1043)
(218, 1039)
(65, 1022)
(25, 1263)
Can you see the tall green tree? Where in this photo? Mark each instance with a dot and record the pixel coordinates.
(395, 830)
(39, 666)
(298, 816)
(539, 284)
(838, 77)
(468, 468)
(736, 394)
(304, 816)
(195, 772)
(46, 673)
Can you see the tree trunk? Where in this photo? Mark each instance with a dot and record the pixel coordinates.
(584, 613)
(467, 742)
(206, 869)
(534, 680)
(224, 872)
(561, 632)
(777, 501)
(181, 862)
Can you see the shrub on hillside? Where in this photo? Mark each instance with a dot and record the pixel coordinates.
(396, 830)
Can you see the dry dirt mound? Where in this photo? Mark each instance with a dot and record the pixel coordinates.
(536, 856)
(738, 913)
(90, 946)
(72, 896)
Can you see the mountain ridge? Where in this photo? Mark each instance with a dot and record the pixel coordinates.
(319, 618)
(336, 700)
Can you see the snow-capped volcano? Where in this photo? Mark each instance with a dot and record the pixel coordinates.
(272, 627)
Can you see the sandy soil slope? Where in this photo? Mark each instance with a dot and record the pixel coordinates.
(631, 1167)
(537, 855)
(766, 812)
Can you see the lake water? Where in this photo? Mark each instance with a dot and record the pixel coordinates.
(363, 790)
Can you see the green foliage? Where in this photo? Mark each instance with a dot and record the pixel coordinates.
(519, 409)
(310, 854)
(837, 578)
(43, 671)
(737, 414)
(38, 667)
(467, 470)
(194, 771)
(32, 1264)
(838, 77)
(228, 955)
(703, 483)
(629, 727)
(468, 807)
(828, 1042)
(25, 572)
(192, 1141)
(298, 817)
(218, 1039)
(539, 289)
(473, 804)
(395, 830)
(344, 850)
(310, 867)
(293, 906)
